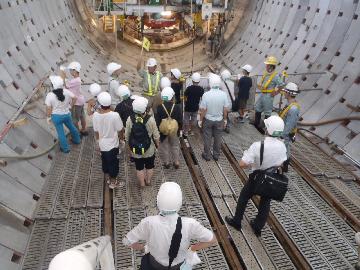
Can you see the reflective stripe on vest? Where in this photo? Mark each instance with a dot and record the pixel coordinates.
(264, 89)
(284, 112)
(152, 91)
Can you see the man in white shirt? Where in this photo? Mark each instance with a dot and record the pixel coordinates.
(213, 115)
(108, 129)
(273, 157)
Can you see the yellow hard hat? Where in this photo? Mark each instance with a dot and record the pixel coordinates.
(271, 60)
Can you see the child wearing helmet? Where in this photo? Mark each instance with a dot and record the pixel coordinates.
(192, 96)
(244, 85)
(169, 139)
(168, 236)
(176, 84)
(93, 104)
(124, 108)
(274, 155)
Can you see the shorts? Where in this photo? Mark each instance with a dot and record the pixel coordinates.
(242, 104)
(190, 118)
(77, 112)
(147, 163)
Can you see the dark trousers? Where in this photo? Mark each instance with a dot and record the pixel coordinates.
(110, 162)
(245, 195)
(212, 129)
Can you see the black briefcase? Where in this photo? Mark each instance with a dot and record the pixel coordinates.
(269, 183)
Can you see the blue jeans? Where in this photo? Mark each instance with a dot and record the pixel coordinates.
(59, 120)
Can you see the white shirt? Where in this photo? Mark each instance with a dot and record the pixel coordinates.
(214, 101)
(274, 154)
(231, 86)
(158, 230)
(59, 107)
(108, 125)
(113, 86)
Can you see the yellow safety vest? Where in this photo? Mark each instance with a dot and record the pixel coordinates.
(152, 91)
(263, 88)
(284, 112)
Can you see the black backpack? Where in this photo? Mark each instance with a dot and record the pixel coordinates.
(139, 140)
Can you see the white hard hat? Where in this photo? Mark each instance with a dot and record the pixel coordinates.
(247, 67)
(291, 88)
(104, 99)
(94, 89)
(56, 81)
(71, 259)
(176, 72)
(123, 91)
(135, 96)
(140, 104)
(169, 197)
(165, 82)
(196, 77)
(274, 125)
(167, 94)
(112, 67)
(151, 62)
(214, 80)
(225, 75)
(75, 66)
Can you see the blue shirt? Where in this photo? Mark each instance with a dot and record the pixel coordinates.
(214, 101)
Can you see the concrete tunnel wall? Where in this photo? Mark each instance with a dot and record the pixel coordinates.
(37, 36)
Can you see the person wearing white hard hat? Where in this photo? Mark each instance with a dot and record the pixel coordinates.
(93, 104)
(244, 85)
(228, 86)
(270, 84)
(168, 236)
(73, 84)
(58, 102)
(169, 120)
(142, 136)
(108, 129)
(124, 108)
(192, 97)
(290, 114)
(176, 84)
(214, 108)
(114, 71)
(274, 155)
(150, 82)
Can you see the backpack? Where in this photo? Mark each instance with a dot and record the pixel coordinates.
(139, 140)
(169, 126)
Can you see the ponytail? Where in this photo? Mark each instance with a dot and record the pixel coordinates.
(59, 94)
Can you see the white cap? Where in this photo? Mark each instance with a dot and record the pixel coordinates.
(140, 104)
(214, 80)
(75, 66)
(56, 81)
(167, 94)
(169, 197)
(104, 99)
(165, 82)
(225, 74)
(123, 91)
(94, 89)
(196, 77)
(176, 72)
(151, 62)
(274, 125)
(292, 89)
(112, 67)
(247, 67)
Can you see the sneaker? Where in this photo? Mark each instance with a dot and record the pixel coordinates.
(229, 220)
(256, 231)
(84, 133)
(65, 151)
(205, 157)
(215, 158)
(167, 165)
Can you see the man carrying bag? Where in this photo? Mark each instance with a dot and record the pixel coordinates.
(274, 154)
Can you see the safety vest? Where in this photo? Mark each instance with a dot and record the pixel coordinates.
(284, 112)
(263, 87)
(152, 91)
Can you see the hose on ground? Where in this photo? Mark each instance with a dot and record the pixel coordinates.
(326, 122)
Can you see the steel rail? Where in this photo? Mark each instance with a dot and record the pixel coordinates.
(219, 229)
(290, 247)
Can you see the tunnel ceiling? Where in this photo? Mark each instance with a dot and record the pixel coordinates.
(37, 36)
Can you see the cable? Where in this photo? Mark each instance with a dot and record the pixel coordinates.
(326, 122)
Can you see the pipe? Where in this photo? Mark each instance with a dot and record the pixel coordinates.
(326, 122)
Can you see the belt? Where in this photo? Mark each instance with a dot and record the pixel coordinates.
(159, 266)
(265, 90)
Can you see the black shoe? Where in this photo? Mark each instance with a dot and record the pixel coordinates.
(215, 158)
(166, 166)
(84, 133)
(205, 157)
(285, 166)
(256, 231)
(227, 130)
(232, 223)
